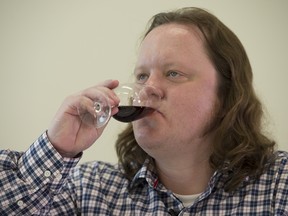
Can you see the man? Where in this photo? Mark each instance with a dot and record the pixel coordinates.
(201, 153)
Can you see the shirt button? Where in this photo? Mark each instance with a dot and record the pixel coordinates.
(20, 203)
(47, 173)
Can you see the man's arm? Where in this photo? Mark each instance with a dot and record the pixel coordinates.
(29, 181)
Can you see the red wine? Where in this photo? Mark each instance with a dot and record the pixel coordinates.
(132, 113)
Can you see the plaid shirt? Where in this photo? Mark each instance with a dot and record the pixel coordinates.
(41, 182)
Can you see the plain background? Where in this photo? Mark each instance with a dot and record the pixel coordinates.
(50, 49)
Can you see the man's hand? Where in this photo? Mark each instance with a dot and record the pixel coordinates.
(67, 132)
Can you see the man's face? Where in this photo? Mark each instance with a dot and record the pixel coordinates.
(172, 58)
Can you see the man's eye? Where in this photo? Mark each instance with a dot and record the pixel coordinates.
(176, 76)
(172, 74)
(142, 77)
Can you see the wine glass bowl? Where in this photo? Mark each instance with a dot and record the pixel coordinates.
(136, 101)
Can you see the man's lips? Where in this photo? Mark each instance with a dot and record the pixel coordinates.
(155, 112)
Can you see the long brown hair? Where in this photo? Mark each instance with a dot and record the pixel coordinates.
(240, 145)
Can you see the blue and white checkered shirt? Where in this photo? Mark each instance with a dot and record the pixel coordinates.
(41, 182)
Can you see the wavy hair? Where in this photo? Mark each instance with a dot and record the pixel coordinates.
(240, 145)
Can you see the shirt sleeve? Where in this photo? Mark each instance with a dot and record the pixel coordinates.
(281, 186)
(29, 181)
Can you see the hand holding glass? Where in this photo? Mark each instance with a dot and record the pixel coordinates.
(136, 101)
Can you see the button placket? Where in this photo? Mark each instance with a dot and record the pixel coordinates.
(58, 177)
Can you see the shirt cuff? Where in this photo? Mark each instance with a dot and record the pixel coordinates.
(42, 164)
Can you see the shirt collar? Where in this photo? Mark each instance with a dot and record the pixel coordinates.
(146, 175)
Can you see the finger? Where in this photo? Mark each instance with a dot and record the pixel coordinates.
(111, 84)
(114, 110)
(85, 105)
(101, 93)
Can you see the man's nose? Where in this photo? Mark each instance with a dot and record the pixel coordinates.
(152, 90)
(154, 87)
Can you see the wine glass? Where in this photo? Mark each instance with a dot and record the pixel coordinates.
(136, 101)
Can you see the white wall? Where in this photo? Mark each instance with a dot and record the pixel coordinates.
(50, 49)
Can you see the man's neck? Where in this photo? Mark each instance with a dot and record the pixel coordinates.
(185, 180)
(187, 173)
